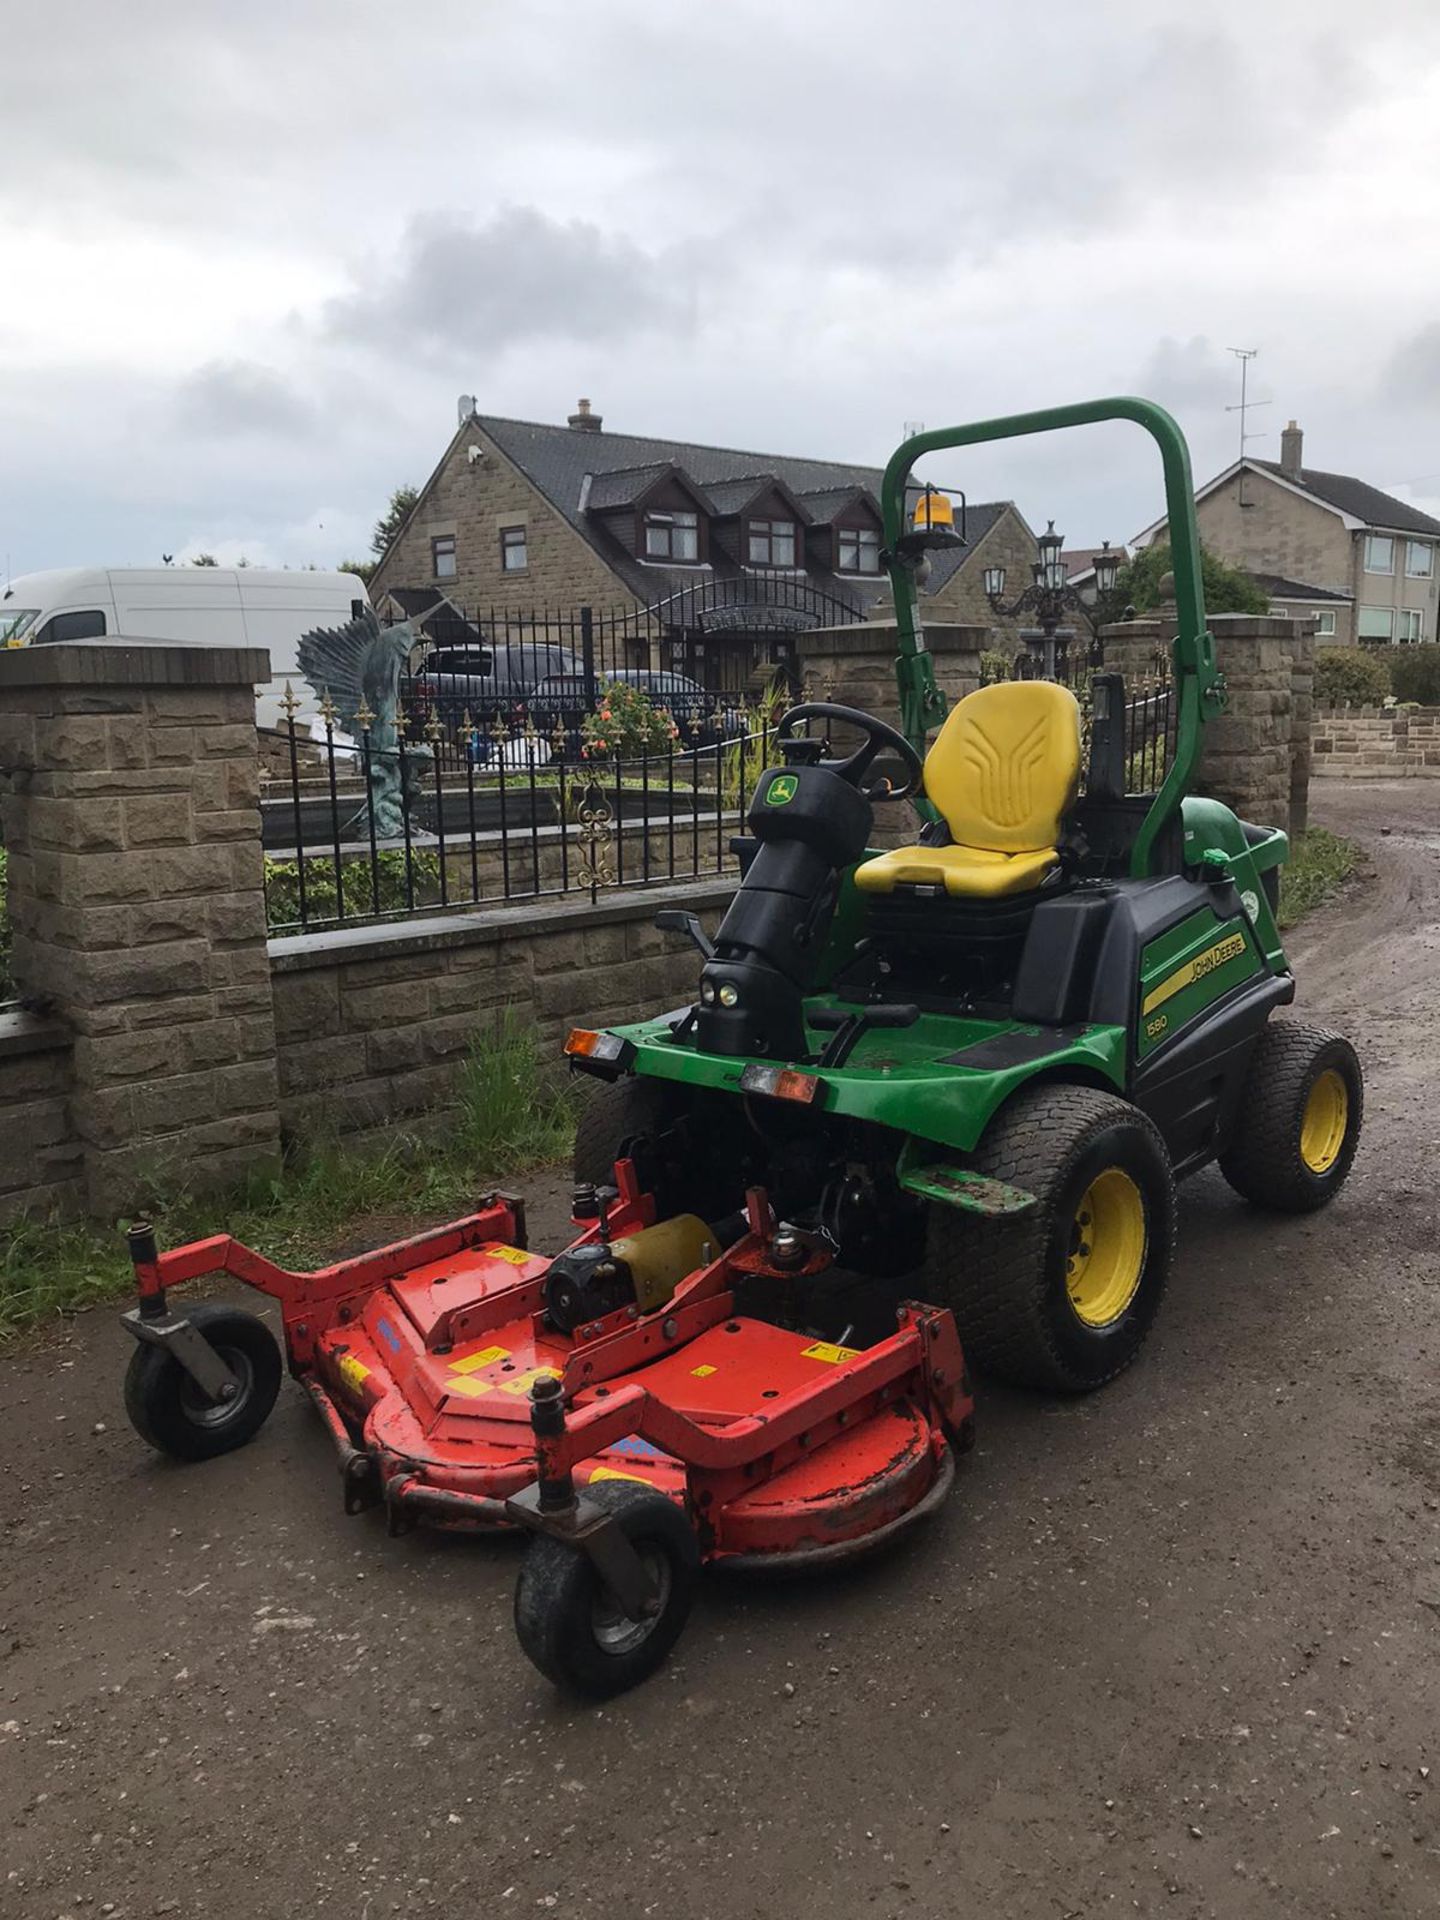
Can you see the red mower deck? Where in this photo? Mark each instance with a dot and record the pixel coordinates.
(453, 1398)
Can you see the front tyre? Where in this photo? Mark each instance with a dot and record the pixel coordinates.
(1061, 1296)
(167, 1408)
(569, 1624)
(1299, 1120)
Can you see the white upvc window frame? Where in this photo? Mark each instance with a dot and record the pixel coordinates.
(1322, 632)
(1410, 617)
(1419, 573)
(1373, 540)
(1385, 639)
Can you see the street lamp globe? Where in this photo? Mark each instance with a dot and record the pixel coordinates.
(1107, 570)
(994, 579)
(1052, 565)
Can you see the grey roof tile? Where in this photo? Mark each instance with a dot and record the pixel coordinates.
(1359, 500)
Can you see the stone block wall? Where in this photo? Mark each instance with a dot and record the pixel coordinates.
(372, 1023)
(1256, 753)
(41, 1164)
(136, 899)
(1376, 743)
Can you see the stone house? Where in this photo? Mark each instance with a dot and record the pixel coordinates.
(1361, 561)
(740, 550)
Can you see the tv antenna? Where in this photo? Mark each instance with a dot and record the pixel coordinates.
(1244, 355)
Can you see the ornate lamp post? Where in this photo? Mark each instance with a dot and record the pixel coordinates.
(1050, 594)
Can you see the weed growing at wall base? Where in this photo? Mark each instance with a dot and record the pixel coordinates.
(1320, 863)
(513, 1110)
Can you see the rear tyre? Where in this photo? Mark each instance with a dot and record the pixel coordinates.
(166, 1407)
(1299, 1122)
(616, 1113)
(571, 1627)
(1061, 1296)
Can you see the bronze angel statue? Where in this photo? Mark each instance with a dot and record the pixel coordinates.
(358, 666)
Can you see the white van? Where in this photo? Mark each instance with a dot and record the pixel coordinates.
(203, 606)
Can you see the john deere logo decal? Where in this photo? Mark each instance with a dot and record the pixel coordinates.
(781, 789)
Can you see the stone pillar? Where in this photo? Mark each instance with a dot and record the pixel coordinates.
(856, 665)
(136, 894)
(1302, 721)
(1256, 755)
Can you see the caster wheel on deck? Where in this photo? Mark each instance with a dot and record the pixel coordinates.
(570, 1625)
(168, 1409)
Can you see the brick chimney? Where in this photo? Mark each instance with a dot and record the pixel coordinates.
(1291, 444)
(583, 420)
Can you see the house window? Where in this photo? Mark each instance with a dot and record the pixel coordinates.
(859, 550)
(1324, 623)
(1376, 623)
(1410, 630)
(1279, 613)
(442, 556)
(1419, 559)
(1379, 553)
(772, 543)
(672, 536)
(514, 557)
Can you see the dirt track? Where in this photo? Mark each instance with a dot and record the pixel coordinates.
(1175, 1649)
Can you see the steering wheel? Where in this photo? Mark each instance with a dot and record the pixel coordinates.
(877, 735)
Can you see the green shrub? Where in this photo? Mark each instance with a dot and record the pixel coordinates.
(626, 724)
(1350, 677)
(1415, 675)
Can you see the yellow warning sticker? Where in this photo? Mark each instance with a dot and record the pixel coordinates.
(832, 1356)
(472, 1389)
(701, 1373)
(486, 1357)
(523, 1382)
(614, 1473)
(499, 1251)
(353, 1372)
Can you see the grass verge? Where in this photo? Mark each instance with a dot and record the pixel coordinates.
(1320, 863)
(514, 1111)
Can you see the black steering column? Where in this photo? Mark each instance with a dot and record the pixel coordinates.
(812, 816)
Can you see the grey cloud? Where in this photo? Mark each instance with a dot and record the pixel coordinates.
(1190, 373)
(1411, 375)
(475, 289)
(230, 397)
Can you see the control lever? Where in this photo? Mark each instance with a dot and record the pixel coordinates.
(677, 920)
(849, 1026)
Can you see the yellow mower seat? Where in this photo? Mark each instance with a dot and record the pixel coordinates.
(1002, 772)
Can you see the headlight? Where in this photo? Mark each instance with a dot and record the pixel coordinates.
(728, 996)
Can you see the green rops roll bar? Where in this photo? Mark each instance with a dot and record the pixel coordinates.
(1200, 686)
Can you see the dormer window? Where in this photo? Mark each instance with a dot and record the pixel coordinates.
(771, 543)
(672, 536)
(858, 550)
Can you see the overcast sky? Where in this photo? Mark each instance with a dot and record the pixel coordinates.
(251, 255)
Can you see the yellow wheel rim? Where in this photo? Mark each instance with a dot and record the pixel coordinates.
(1107, 1249)
(1327, 1114)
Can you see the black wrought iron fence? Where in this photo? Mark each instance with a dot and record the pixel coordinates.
(355, 832)
(707, 651)
(1146, 719)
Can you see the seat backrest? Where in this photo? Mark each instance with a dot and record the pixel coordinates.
(1006, 764)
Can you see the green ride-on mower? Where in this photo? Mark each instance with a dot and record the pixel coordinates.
(970, 1069)
(981, 1062)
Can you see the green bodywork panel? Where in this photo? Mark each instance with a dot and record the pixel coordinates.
(1211, 829)
(1187, 969)
(901, 1077)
